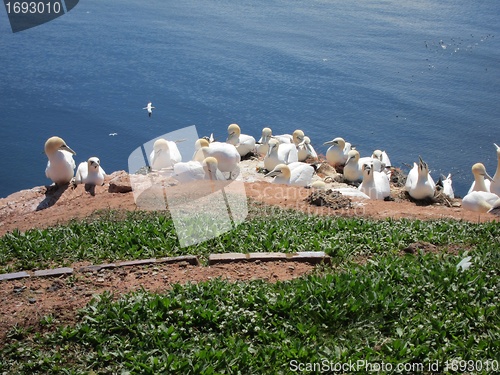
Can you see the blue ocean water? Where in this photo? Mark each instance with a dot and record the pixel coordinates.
(413, 78)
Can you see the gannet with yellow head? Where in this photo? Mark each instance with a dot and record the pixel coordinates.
(482, 180)
(337, 152)
(306, 150)
(61, 165)
(226, 154)
(297, 174)
(280, 154)
(244, 143)
(164, 155)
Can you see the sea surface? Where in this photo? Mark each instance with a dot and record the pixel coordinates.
(410, 77)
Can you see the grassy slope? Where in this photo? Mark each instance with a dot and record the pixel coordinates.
(394, 309)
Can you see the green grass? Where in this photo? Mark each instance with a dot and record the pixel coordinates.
(111, 237)
(411, 309)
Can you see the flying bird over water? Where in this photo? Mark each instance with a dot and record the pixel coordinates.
(149, 108)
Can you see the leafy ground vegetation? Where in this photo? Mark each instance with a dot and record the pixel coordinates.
(380, 303)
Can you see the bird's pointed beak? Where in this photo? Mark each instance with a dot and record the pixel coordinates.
(328, 143)
(269, 149)
(273, 173)
(264, 139)
(66, 148)
(487, 176)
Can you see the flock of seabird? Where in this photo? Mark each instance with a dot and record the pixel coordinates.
(284, 157)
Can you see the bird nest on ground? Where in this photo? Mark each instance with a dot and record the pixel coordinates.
(398, 178)
(328, 198)
(439, 199)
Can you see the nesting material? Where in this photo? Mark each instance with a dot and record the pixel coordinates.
(329, 198)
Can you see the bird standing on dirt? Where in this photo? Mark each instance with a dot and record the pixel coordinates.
(61, 165)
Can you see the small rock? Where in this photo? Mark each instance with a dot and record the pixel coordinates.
(120, 183)
(19, 289)
(32, 300)
(56, 285)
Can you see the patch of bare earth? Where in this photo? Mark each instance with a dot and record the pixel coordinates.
(25, 301)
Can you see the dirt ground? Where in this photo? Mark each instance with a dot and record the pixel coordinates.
(44, 206)
(25, 301)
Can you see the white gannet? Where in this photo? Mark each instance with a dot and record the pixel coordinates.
(226, 154)
(297, 137)
(267, 134)
(353, 169)
(60, 167)
(375, 184)
(351, 192)
(90, 172)
(419, 183)
(337, 152)
(297, 174)
(481, 201)
(212, 172)
(194, 170)
(164, 155)
(262, 144)
(306, 149)
(447, 186)
(383, 157)
(244, 143)
(210, 139)
(495, 184)
(318, 185)
(201, 142)
(480, 183)
(188, 171)
(279, 154)
(149, 108)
